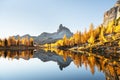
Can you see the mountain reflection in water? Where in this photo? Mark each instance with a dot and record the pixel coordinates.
(109, 66)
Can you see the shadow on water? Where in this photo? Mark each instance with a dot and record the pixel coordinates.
(109, 66)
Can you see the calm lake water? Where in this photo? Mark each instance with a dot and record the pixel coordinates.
(55, 65)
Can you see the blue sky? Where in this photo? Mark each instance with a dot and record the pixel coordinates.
(36, 16)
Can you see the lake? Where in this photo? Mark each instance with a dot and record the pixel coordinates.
(56, 65)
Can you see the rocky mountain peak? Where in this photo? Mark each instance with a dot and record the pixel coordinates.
(53, 37)
(117, 3)
(112, 14)
(46, 37)
(61, 27)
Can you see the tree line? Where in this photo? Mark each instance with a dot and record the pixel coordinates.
(91, 36)
(11, 41)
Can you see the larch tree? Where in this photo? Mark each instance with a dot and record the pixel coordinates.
(64, 40)
(91, 40)
(110, 27)
(77, 37)
(101, 36)
(31, 41)
(5, 42)
(18, 41)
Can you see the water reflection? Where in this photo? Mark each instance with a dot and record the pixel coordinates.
(109, 66)
(13, 54)
(52, 56)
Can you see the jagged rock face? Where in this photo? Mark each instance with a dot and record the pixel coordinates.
(117, 3)
(49, 37)
(112, 14)
(61, 27)
(53, 37)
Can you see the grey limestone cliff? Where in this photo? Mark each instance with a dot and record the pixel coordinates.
(112, 14)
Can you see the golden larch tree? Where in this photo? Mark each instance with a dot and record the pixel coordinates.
(91, 40)
(101, 36)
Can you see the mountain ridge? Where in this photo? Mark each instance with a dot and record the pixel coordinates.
(46, 37)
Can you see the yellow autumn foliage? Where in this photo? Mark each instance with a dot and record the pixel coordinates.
(91, 40)
(117, 29)
(101, 36)
(109, 28)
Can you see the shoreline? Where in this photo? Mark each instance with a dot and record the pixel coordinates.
(17, 47)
